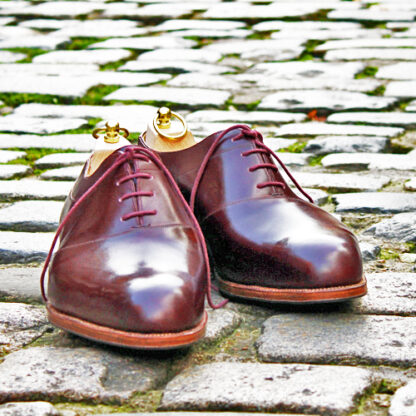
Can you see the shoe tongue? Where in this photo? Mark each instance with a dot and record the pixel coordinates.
(102, 151)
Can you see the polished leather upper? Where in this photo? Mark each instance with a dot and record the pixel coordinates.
(144, 274)
(262, 236)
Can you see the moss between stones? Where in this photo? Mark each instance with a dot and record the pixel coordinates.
(30, 53)
(367, 72)
(77, 44)
(379, 91)
(294, 148)
(316, 160)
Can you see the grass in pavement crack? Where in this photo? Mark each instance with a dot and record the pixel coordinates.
(367, 72)
(29, 52)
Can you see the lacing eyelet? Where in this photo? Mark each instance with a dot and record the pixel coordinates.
(117, 183)
(122, 219)
(120, 200)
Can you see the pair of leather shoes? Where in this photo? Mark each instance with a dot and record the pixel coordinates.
(132, 268)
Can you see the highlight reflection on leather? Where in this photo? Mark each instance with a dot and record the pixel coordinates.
(142, 275)
(269, 236)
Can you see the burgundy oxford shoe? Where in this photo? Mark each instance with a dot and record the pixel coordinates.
(265, 242)
(131, 268)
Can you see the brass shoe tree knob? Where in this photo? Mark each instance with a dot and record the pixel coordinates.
(111, 132)
(169, 125)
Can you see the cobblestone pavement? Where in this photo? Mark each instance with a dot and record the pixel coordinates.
(331, 84)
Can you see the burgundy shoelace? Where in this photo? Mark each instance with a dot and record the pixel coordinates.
(132, 153)
(248, 134)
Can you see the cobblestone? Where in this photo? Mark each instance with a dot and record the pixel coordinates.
(346, 144)
(20, 284)
(28, 409)
(61, 159)
(365, 339)
(31, 216)
(34, 189)
(388, 294)
(98, 56)
(266, 387)
(379, 202)
(401, 227)
(404, 401)
(8, 171)
(19, 325)
(184, 96)
(322, 99)
(379, 118)
(76, 374)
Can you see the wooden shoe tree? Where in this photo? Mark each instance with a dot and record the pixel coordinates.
(168, 132)
(106, 144)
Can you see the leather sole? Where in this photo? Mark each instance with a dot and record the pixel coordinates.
(269, 294)
(150, 341)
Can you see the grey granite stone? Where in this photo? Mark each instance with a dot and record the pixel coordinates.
(212, 34)
(126, 79)
(68, 86)
(322, 99)
(318, 196)
(62, 8)
(16, 124)
(49, 23)
(175, 66)
(8, 171)
(46, 42)
(186, 96)
(31, 216)
(98, 56)
(277, 143)
(403, 89)
(410, 185)
(364, 339)
(307, 70)
(100, 28)
(200, 24)
(145, 43)
(77, 374)
(20, 284)
(342, 182)
(269, 26)
(401, 227)
(245, 117)
(30, 69)
(19, 325)
(326, 34)
(62, 174)
(388, 294)
(271, 83)
(9, 155)
(365, 42)
(218, 82)
(411, 106)
(133, 117)
(399, 71)
(6, 56)
(267, 48)
(369, 161)
(372, 14)
(408, 258)
(369, 251)
(28, 409)
(376, 202)
(78, 142)
(198, 55)
(366, 54)
(380, 118)
(248, 11)
(403, 402)
(319, 128)
(221, 322)
(19, 247)
(34, 189)
(61, 159)
(295, 159)
(267, 387)
(346, 144)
